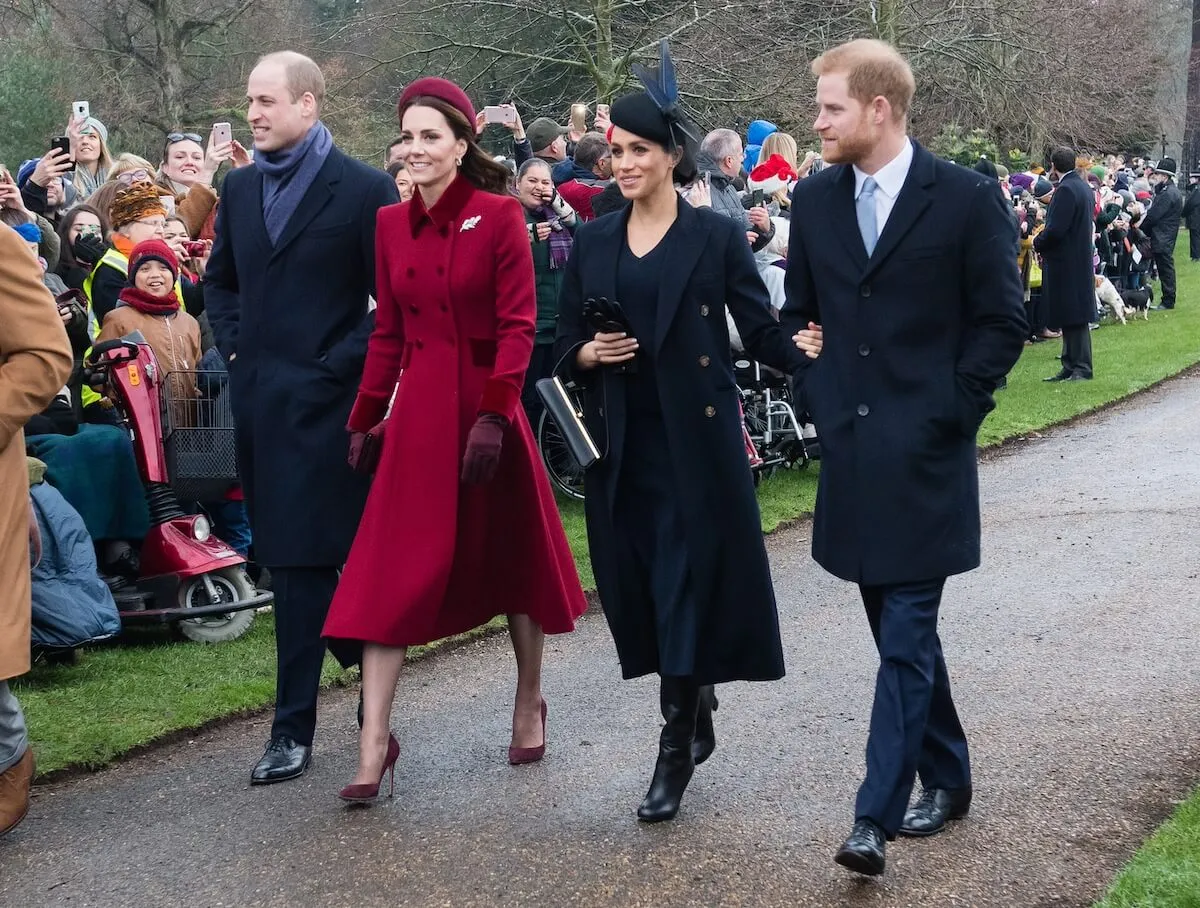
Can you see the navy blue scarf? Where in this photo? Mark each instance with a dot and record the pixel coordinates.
(287, 176)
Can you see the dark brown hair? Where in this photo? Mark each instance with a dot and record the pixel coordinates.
(66, 254)
(477, 166)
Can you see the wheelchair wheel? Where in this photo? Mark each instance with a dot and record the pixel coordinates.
(564, 471)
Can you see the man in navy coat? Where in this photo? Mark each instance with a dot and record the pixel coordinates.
(902, 276)
(287, 292)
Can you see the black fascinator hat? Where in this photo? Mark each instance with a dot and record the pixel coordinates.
(655, 113)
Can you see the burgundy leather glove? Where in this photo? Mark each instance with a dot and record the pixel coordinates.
(482, 457)
(365, 448)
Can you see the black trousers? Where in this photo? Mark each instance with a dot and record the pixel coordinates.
(1194, 244)
(1035, 313)
(1077, 351)
(541, 365)
(302, 597)
(1166, 276)
(915, 728)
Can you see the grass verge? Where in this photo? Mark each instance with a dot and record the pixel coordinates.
(149, 687)
(1165, 873)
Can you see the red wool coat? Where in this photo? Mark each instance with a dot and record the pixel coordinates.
(434, 557)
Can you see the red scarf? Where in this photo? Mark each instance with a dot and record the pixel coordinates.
(151, 305)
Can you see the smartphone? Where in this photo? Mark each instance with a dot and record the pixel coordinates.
(222, 134)
(756, 198)
(81, 109)
(63, 144)
(579, 114)
(497, 114)
(602, 111)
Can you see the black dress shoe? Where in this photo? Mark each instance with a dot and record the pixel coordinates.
(706, 737)
(1162, 308)
(1062, 376)
(1075, 376)
(284, 759)
(864, 851)
(935, 806)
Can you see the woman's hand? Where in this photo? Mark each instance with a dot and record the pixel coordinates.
(542, 229)
(607, 350)
(699, 195)
(52, 165)
(761, 219)
(214, 156)
(810, 340)
(241, 157)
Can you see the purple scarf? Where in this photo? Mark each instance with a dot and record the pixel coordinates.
(560, 237)
(287, 176)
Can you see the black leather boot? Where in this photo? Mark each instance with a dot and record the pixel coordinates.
(680, 699)
(706, 738)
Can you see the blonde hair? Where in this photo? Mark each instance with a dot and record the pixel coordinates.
(301, 74)
(872, 69)
(127, 162)
(782, 144)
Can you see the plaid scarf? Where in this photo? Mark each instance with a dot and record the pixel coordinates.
(560, 237)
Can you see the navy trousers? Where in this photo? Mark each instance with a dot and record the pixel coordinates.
(302, 597)
(914, 726)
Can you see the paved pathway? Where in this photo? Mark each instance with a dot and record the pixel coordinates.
(1072, 652)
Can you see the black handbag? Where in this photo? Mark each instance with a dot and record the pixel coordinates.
(568, 416)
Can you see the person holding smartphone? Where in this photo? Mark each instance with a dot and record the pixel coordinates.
(188, 169)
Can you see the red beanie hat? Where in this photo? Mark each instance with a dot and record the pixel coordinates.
(443, 90)
(152, 251)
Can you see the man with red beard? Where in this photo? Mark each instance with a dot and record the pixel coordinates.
(910, 269)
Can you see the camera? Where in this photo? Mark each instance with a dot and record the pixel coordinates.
(195, 249)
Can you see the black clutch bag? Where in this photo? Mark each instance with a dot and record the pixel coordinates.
(568, 416)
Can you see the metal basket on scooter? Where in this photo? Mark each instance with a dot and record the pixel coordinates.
(198, 435)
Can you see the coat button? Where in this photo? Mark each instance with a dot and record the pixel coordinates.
(863, 409)
(441, 270)
(710, 412)
(864, 350)
(704, 310)
(445, 308)
(704, 361)
(866, 290)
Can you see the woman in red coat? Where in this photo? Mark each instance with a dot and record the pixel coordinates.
(461, 524)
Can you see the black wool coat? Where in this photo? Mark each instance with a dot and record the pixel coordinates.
(1066, 246)
(707, 266)
(916, 338)
(296, 316)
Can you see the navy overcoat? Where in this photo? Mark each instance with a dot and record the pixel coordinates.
(707, 266)
(1066, 246)
(916, 338)
(296, 316)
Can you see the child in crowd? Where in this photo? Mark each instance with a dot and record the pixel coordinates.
(150, 305)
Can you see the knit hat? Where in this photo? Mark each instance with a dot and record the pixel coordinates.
(1001, 172)
(1021, 181)
(542, 133)
(30, 232)
(771, 175)
(140, 200)
(1042, 188)
(1167, 166)
(97, 127)
(1143, 195)
(152, 251)
(443, 90)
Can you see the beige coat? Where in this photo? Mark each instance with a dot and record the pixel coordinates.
(35, 361)
(175, 340)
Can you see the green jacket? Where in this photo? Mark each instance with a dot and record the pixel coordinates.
(548, 283)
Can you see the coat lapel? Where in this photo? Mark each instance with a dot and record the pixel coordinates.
(317, 197)
(608, 247)
(914, 198)
(842, 216)
(255, 217)
(686, 243)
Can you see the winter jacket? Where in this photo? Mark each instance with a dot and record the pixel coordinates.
(1191, 209)
(175, 340)
(726, 200)
(1161, 223)
(547, 283)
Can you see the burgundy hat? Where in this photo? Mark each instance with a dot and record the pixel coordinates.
(443, 90)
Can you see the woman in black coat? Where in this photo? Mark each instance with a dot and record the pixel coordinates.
(673, 523)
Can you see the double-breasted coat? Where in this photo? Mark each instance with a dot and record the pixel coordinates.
(916, 338)
(707, 265)
(35, 362)
(434, 557)
(296, 315)
(1066, 246)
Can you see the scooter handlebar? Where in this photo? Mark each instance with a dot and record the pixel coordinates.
(115, 344)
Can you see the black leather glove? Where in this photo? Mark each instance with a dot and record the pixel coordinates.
(365, 449)
(482, 457)
(87, 250)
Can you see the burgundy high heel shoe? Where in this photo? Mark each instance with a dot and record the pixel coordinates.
(366, 793)
(518, 756)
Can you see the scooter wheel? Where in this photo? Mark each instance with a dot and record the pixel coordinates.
(232, 585)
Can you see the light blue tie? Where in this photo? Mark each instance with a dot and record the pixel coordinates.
(866, 215)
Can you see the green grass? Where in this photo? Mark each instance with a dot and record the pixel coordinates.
(121, 697)
(1165, 873)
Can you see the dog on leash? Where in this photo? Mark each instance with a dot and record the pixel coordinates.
(1138, 301)
(1107, 294)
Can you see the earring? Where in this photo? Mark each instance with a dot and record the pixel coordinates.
(458, 162)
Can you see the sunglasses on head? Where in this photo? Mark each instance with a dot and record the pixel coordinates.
(174, 137)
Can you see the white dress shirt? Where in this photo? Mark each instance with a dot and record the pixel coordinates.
(890, 180)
